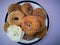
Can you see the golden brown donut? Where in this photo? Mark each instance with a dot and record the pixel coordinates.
(41, 21)
(30, 25)
(6, 25)
(42, 33)
(13, 7)
(39, 12)
(28, 37)
(15, 17)
(27, 9)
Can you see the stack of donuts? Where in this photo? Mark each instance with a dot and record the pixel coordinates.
(24, 22)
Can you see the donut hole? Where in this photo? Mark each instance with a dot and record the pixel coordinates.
(39, 14)
(16, 34)
(14, 9)
(29, 26)
(16, 18)
(28, 9)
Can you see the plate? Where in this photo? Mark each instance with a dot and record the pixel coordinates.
(34, 5)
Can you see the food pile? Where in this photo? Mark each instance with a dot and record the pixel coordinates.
(24, 22)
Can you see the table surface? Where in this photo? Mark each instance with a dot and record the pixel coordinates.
(53, 9)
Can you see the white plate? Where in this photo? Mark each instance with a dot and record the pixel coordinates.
(34, 5)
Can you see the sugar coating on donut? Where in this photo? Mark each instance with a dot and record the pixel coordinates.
(15, 33)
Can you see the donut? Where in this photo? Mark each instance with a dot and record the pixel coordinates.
(39, 12)
(27, 9)
(13, 7)
(6, 25)
(15, 17)
(41, 21)
(30, 25)
(28, 37)
(15, 33)
(42, 33)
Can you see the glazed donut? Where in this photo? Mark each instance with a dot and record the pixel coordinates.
(40, 12)
(13, 7)
(28, 37)
(42, 33)
(30, 25)
(15, 17)
(41, 21)
(27, 9)
(6, 25)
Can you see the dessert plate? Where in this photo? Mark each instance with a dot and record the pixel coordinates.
(34, 5)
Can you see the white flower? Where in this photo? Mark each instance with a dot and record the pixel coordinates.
(15, 33)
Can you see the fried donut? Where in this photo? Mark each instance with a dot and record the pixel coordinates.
(30, 25)
(15, 17)
(40, 12)
(13, 7)
(28, 37)
(42, 33)
(6, 25)
(27, 9)
(41, 21)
